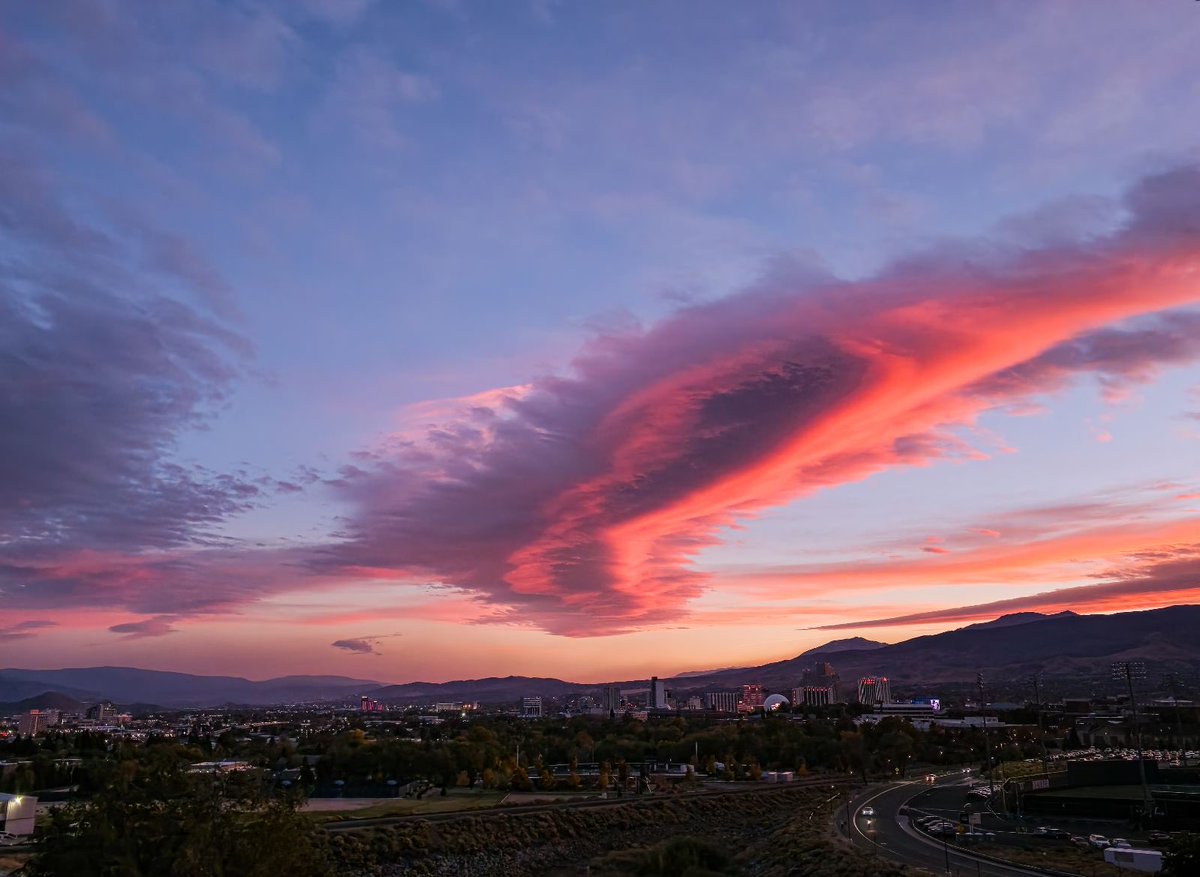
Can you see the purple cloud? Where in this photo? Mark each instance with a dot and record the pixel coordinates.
(158, 626)
(25, 629)
(366, 645)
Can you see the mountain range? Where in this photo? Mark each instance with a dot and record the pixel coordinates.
(125, 685)
(1066, 649)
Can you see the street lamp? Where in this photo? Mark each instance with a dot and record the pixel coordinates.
(1037, 693)
(987, 743)
(1128, 671)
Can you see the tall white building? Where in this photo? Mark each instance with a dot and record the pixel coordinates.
(874, 689)
(658, 695)
(531, 707)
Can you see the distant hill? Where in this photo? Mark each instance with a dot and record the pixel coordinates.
(48, 700)
(131, 685)
(1067, 646)
(854, 643)
(491, 690)
(1016, 618)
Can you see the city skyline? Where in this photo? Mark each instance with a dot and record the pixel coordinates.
(442, 340)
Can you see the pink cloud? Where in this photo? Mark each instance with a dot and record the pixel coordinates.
(581, 505)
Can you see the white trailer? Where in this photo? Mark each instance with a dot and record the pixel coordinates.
(1146, 861)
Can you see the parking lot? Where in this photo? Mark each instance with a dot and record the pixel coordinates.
(963, 815)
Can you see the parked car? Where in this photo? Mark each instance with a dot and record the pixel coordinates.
(1158, 837)
(1079, 840)
(1121, 843)
(8, 839)
(1097, 841)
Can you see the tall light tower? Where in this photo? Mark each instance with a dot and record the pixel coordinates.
(1175, 683)
(1129, 671)
(987, 743)
(1037, 693)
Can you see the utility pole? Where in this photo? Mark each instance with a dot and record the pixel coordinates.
(1037, 693)
(987, 743)
(1128, 671)
(1174, 682)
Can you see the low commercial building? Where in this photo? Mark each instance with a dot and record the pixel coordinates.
(17, 813)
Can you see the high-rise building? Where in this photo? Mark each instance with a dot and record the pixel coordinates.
(874, 689)
(816, 695)
(612, 699)
(101, 713)
(722, 701)
(822, 675)
(31, 724)
(752, 695)
(531, 707)
(658, 695)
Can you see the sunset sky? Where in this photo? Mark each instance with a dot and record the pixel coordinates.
(437, 340)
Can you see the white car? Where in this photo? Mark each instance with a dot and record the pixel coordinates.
(1121, 843)
(868, 811)
(1098, 841)
(8, 839)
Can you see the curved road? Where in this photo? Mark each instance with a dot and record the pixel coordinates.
(889, 835)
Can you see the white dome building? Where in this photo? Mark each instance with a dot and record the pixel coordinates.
(774, 702)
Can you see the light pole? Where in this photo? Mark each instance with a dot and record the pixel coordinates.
(1128, 671)
(1174, 682)
(987, 743)
(1037, 693)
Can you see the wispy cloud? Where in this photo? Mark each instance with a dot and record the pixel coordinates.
(364, 645)
(1167, 576)
(25, 629)
(160, 625)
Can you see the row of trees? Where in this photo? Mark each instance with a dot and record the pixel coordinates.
(502, 753)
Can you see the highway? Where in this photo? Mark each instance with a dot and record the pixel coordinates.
(889, 834)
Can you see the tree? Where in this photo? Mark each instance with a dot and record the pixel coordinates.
(1182, 857)
(520, 780)
(168, 821)
(307, 778)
